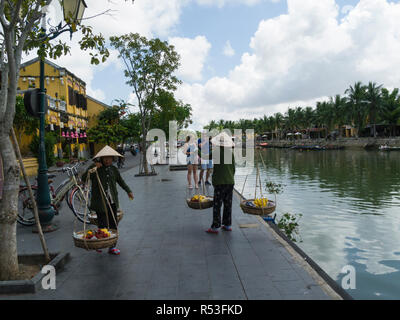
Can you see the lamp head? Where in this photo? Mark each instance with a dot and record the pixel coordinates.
(73, 10)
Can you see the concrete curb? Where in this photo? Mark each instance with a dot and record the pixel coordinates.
(32, 286)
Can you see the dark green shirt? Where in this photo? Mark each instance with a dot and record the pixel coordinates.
(224, 173)
(109, 177)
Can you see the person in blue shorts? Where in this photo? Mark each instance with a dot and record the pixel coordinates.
(206, 163)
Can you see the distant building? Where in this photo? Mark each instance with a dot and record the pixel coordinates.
(70, 109)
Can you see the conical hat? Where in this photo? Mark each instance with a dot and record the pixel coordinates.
(223, 140)
(107, 151)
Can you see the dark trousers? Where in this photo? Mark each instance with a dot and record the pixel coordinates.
(222, 194)
(102, 218)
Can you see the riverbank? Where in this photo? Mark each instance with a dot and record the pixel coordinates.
(348, 143)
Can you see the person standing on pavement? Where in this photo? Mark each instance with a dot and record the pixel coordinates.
(190, 149)
(109, 177)
(223, 180)
(206, 163)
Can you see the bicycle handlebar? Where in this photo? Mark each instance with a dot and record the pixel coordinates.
(72, 169)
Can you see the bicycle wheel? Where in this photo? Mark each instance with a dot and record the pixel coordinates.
(78, 204)
(26, 215)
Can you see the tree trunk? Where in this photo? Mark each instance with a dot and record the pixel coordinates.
(8, 211)
(144, 150)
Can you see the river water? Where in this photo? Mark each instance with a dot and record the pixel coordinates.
(350, 206)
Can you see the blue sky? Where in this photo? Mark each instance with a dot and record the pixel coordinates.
(284, 53)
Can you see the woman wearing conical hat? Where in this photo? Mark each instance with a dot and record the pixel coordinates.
(109, 177)
(223, 180)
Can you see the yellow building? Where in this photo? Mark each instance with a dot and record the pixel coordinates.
(94, 107)
(69, 107)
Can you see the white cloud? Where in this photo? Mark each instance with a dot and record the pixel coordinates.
(303, 55)
(149, 17)
(221, 3)
(193, 54)
(228, 50)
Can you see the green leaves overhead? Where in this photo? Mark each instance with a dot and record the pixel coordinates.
(150, 64)
(110, 128)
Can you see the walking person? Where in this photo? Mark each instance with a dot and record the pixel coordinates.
(121, 160)
(223, 180)
(109, 177)
(190, 149)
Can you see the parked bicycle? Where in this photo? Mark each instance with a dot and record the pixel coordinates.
(71, 189)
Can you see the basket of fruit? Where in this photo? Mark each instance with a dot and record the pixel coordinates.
(93, 217)
(93, 240)
(200, 202)
(259, 207)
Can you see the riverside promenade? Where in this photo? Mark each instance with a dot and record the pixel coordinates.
(167, 255)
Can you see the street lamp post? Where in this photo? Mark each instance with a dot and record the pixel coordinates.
(73, 12)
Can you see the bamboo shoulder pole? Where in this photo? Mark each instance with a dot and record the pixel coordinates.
(35, 209)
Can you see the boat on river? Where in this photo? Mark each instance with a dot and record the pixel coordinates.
(387, 148)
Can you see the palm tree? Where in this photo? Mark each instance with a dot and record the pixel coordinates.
(338, 104)
(357, 104)
(309, 119)
(279, 121)
(374, 104)
(324, 115)
(390, 112)
(290, 119)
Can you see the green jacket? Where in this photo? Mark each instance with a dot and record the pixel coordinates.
(224, 173)
(109, 177)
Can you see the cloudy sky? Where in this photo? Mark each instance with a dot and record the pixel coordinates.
(247, 58)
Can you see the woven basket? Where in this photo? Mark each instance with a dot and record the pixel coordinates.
(201, 205)
(94, 244)
(93, 217)
(271, 206)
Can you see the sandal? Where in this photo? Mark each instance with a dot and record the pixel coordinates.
(227, 228)
(190, 186)
(212, 230)
(114, 251)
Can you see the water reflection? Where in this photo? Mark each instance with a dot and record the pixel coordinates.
(350, 204)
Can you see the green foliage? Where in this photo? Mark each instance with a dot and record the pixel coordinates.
(107, 133)
(112, 115)
(49, 142)
(110, 128)
(169, 109)
(95, 43)
(289, 224)
(274, 187)
(23, 122)
(132, 124)
(150, 70)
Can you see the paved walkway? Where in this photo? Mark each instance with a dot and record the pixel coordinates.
(165, 253)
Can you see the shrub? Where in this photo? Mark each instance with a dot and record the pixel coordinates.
(49, 142)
